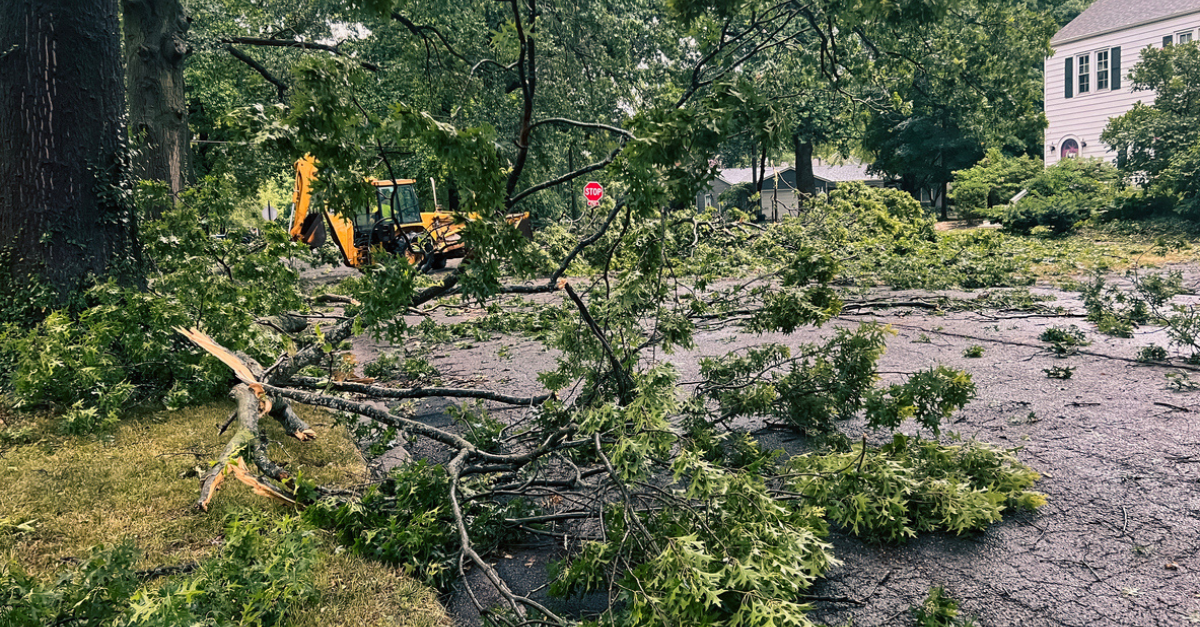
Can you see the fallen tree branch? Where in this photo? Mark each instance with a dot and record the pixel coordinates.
(242, 439)
(624, 381)
(386, 392)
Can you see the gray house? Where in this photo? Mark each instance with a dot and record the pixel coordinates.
(779, 199)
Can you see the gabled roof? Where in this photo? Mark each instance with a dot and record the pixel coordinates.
(844, 173)
(735, 176)
(1106, 16)
(850, 171)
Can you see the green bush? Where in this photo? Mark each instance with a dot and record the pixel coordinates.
(992, 182)
(1055, 215)
(1094, 178)
(1062, 196)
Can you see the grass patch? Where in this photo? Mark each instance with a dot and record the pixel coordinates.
(65, 494)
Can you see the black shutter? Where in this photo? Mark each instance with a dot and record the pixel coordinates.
(1115, 60)
(1070, 77)
(1166, 40)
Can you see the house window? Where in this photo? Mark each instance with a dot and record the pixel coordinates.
(1083, 63)
(1102, 70)
(1184, 37)
(1070, 149)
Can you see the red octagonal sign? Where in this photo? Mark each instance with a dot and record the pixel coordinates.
(593, 191)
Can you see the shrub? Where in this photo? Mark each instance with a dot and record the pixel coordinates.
(1057, 214)
(991, 182)
(1062, 196)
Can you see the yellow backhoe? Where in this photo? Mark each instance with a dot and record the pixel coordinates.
(393, 223)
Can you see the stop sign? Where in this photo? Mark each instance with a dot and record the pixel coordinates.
(593, 191)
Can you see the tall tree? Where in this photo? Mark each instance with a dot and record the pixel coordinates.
(155, 49)
(62, 112)
(971, 81)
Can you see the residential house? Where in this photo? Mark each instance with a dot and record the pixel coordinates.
(779, 199)
(1087, 78)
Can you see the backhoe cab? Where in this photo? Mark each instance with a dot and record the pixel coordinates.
(393, 223)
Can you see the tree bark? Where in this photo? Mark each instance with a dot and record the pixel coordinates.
(62, 131)
(155, 49)
(806, 183)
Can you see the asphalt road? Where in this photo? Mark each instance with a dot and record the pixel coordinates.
(1119, 453)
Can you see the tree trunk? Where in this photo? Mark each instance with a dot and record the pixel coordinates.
(62, 131)
(940, 200)
(806, 183)
(155, 48)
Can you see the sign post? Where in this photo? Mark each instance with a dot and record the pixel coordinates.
(593, 191)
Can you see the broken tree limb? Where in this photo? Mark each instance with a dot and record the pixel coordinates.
(260, 487)
(242, 438)
(291, 422)
(385, 392)
(374, 413)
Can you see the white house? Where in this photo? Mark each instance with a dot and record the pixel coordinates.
(1087, 78)
(779, 185)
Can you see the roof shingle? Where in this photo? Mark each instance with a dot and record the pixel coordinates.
(1109, 15)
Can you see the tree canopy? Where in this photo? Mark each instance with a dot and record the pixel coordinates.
(1160, 142)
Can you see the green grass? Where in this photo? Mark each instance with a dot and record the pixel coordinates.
(66, 494)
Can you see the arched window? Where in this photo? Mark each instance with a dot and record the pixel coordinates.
(1069, 149)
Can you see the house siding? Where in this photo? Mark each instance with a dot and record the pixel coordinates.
(1083, 117)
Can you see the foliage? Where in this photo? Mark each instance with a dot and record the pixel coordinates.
(992, 181)
(982, 89)
(1064, 340)
(828, 382)
(93, 595)
(1152, 353)
(939, 610)
(1088, 178)
(261, 574)
(1059, 372)
(693, 528)
(911, 485)
(1063, 195)
(259, 577)
(122, 349)
(1158, 143)
(406, 522)
(973, 351)
(1117, 311)
(737, 556)
(1181, 382)
(395, 365)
